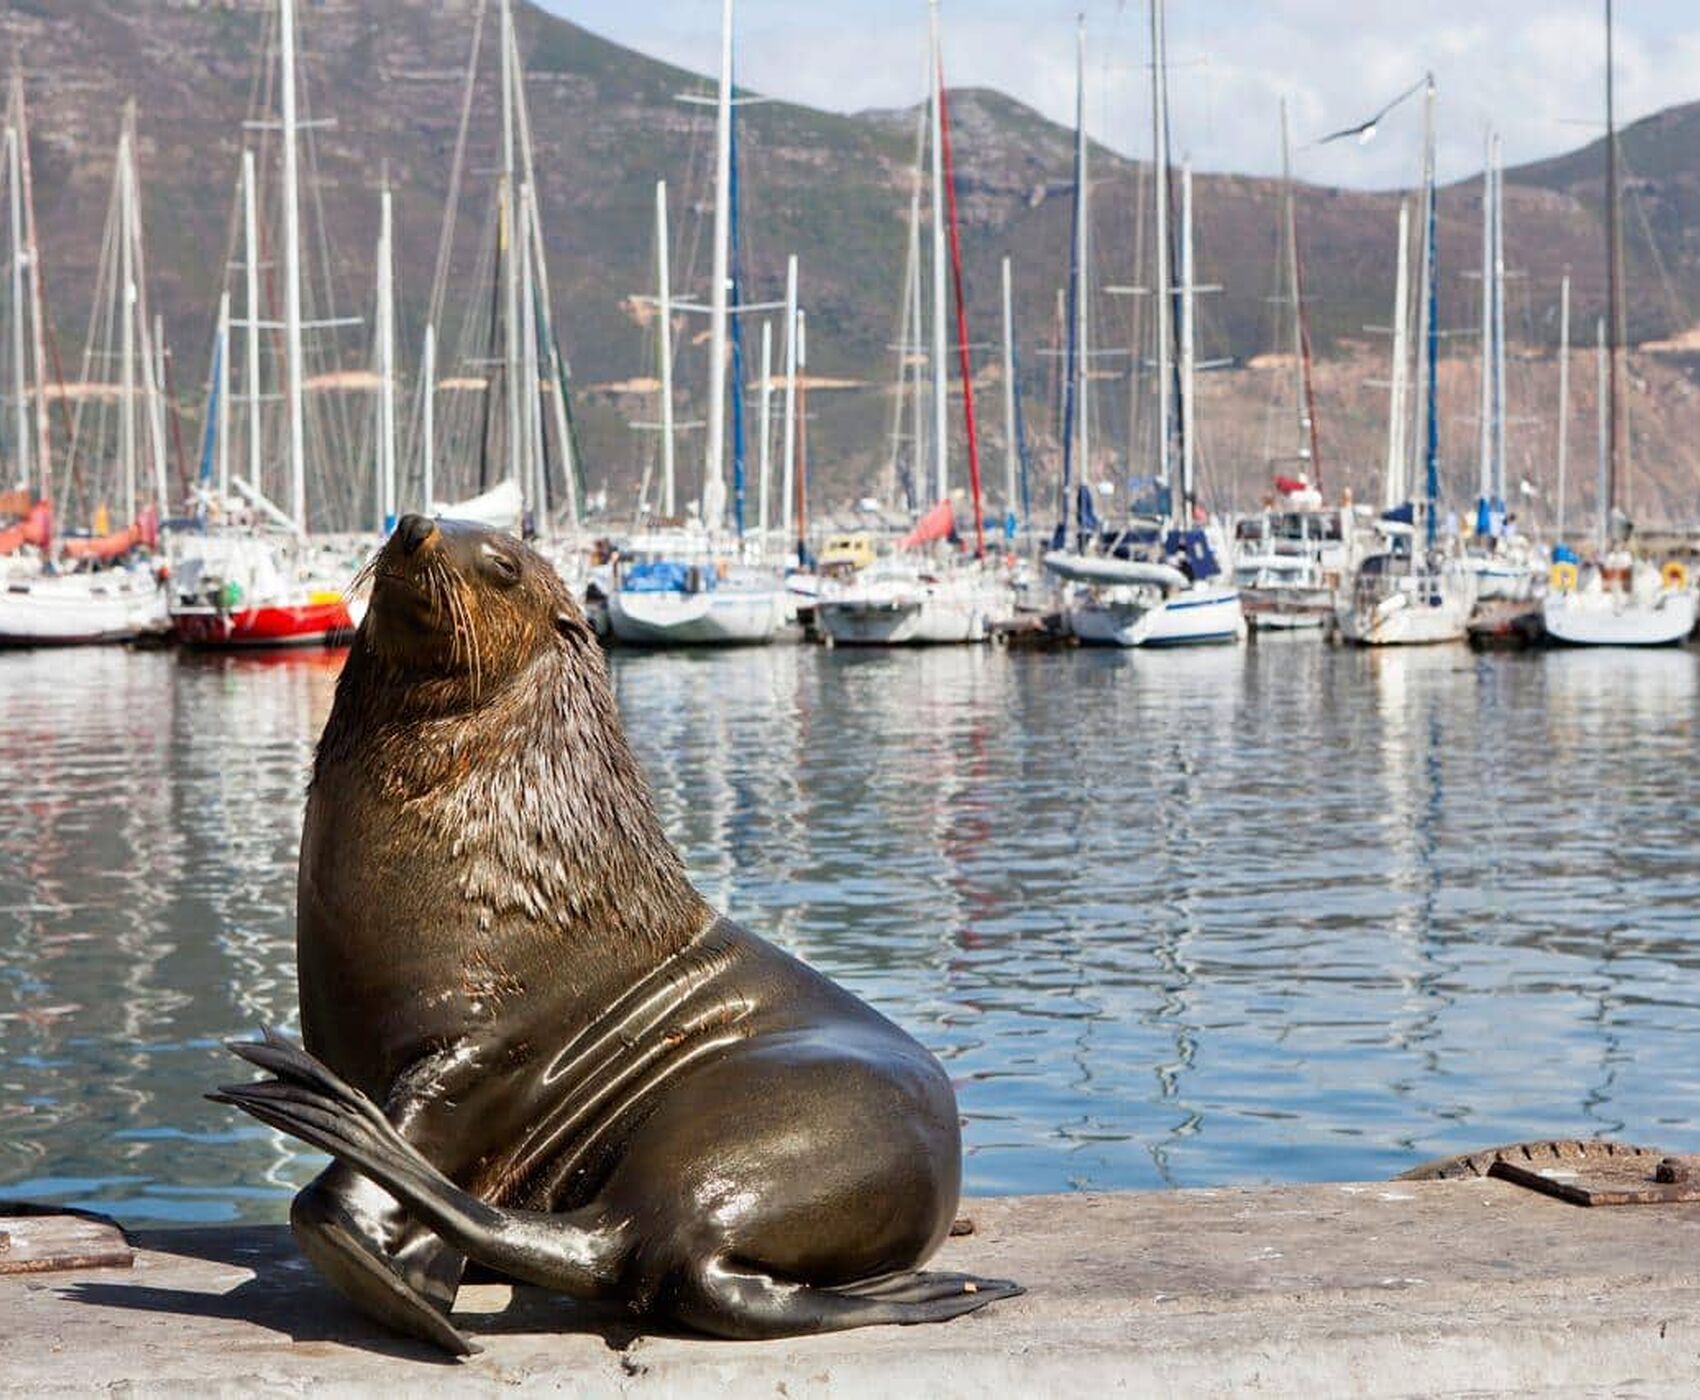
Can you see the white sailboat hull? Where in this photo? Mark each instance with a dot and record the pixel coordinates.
(718, 618)
(1203, 615)
(902, 613)
(1420, 612)
(915, 622)
(82, 609)
(1602, 619)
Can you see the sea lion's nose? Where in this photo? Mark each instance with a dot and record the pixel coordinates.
(413, 531)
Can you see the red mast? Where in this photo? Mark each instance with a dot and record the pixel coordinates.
(962, 321)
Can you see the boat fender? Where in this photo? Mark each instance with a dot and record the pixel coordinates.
(1675, 576)
(230, 596)
(1564, 577)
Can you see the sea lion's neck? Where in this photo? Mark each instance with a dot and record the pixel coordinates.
(536, 799)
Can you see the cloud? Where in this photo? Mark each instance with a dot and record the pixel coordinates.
(1534, 71)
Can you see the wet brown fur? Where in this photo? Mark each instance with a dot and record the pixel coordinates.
(485, 710)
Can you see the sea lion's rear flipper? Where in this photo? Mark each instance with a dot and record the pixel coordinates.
(308, 1101)
(724, 1301)
(390, 1291)
(395, 1271)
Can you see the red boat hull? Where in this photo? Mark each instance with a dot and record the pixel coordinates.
(310, 624)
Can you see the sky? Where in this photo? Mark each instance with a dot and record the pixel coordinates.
(1532, 69)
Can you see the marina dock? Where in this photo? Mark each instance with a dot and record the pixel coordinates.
(1373, 1289)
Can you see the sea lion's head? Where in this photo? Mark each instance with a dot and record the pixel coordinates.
(458, 611)
(477, 708)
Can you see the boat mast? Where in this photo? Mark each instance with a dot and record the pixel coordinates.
(908, 339)
(223, 391)
(1305, 397)
(791, 331)
(1395, 490)
(251, 237)
(1425, 301)
(386, 361)
(1189, 485)
(714, 482)
(766, 428)
(1563, 392)
(1614, 281)
(1083, 275)
(1431, 352)
(158, 392)
(1499, 404)
(541, 301)
(293, 387)
(20, 365)
(1011, 446)
(428, 389)
(1484, 507)
(803, 438)
(150, 344)
(127, 324)
(537, 482)
(941, 371)
(962, 345)
(919, 472)
(1603, 367)
(1165, 304)
(510, 265)
(664, 342)
(38, 319)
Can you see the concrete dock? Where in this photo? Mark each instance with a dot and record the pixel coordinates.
(1383, 1289)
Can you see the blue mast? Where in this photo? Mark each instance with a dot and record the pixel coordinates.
(209, 439)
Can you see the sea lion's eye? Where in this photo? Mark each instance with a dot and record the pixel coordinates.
(504, 566)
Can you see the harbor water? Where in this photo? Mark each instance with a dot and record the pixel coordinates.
(1280, 913)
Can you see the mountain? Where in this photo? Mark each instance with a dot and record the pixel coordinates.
(833, 188)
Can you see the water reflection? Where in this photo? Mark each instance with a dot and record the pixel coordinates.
(1238, 915)
(146, 911)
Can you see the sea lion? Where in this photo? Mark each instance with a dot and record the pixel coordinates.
(530, 1042)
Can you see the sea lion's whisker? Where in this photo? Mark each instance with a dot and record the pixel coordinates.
(363, 577)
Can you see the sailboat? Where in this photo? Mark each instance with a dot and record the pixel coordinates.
(1618, 598)
(1412, 591)
(916, 596)
(1154, 583)
(102, 589)
(263, 582)
(695, 587)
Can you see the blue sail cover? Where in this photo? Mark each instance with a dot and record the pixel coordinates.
(664, 576)
(1193, 547)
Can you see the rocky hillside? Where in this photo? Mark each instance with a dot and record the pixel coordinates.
(835, 189)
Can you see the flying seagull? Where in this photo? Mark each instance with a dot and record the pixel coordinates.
(1365, 131)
